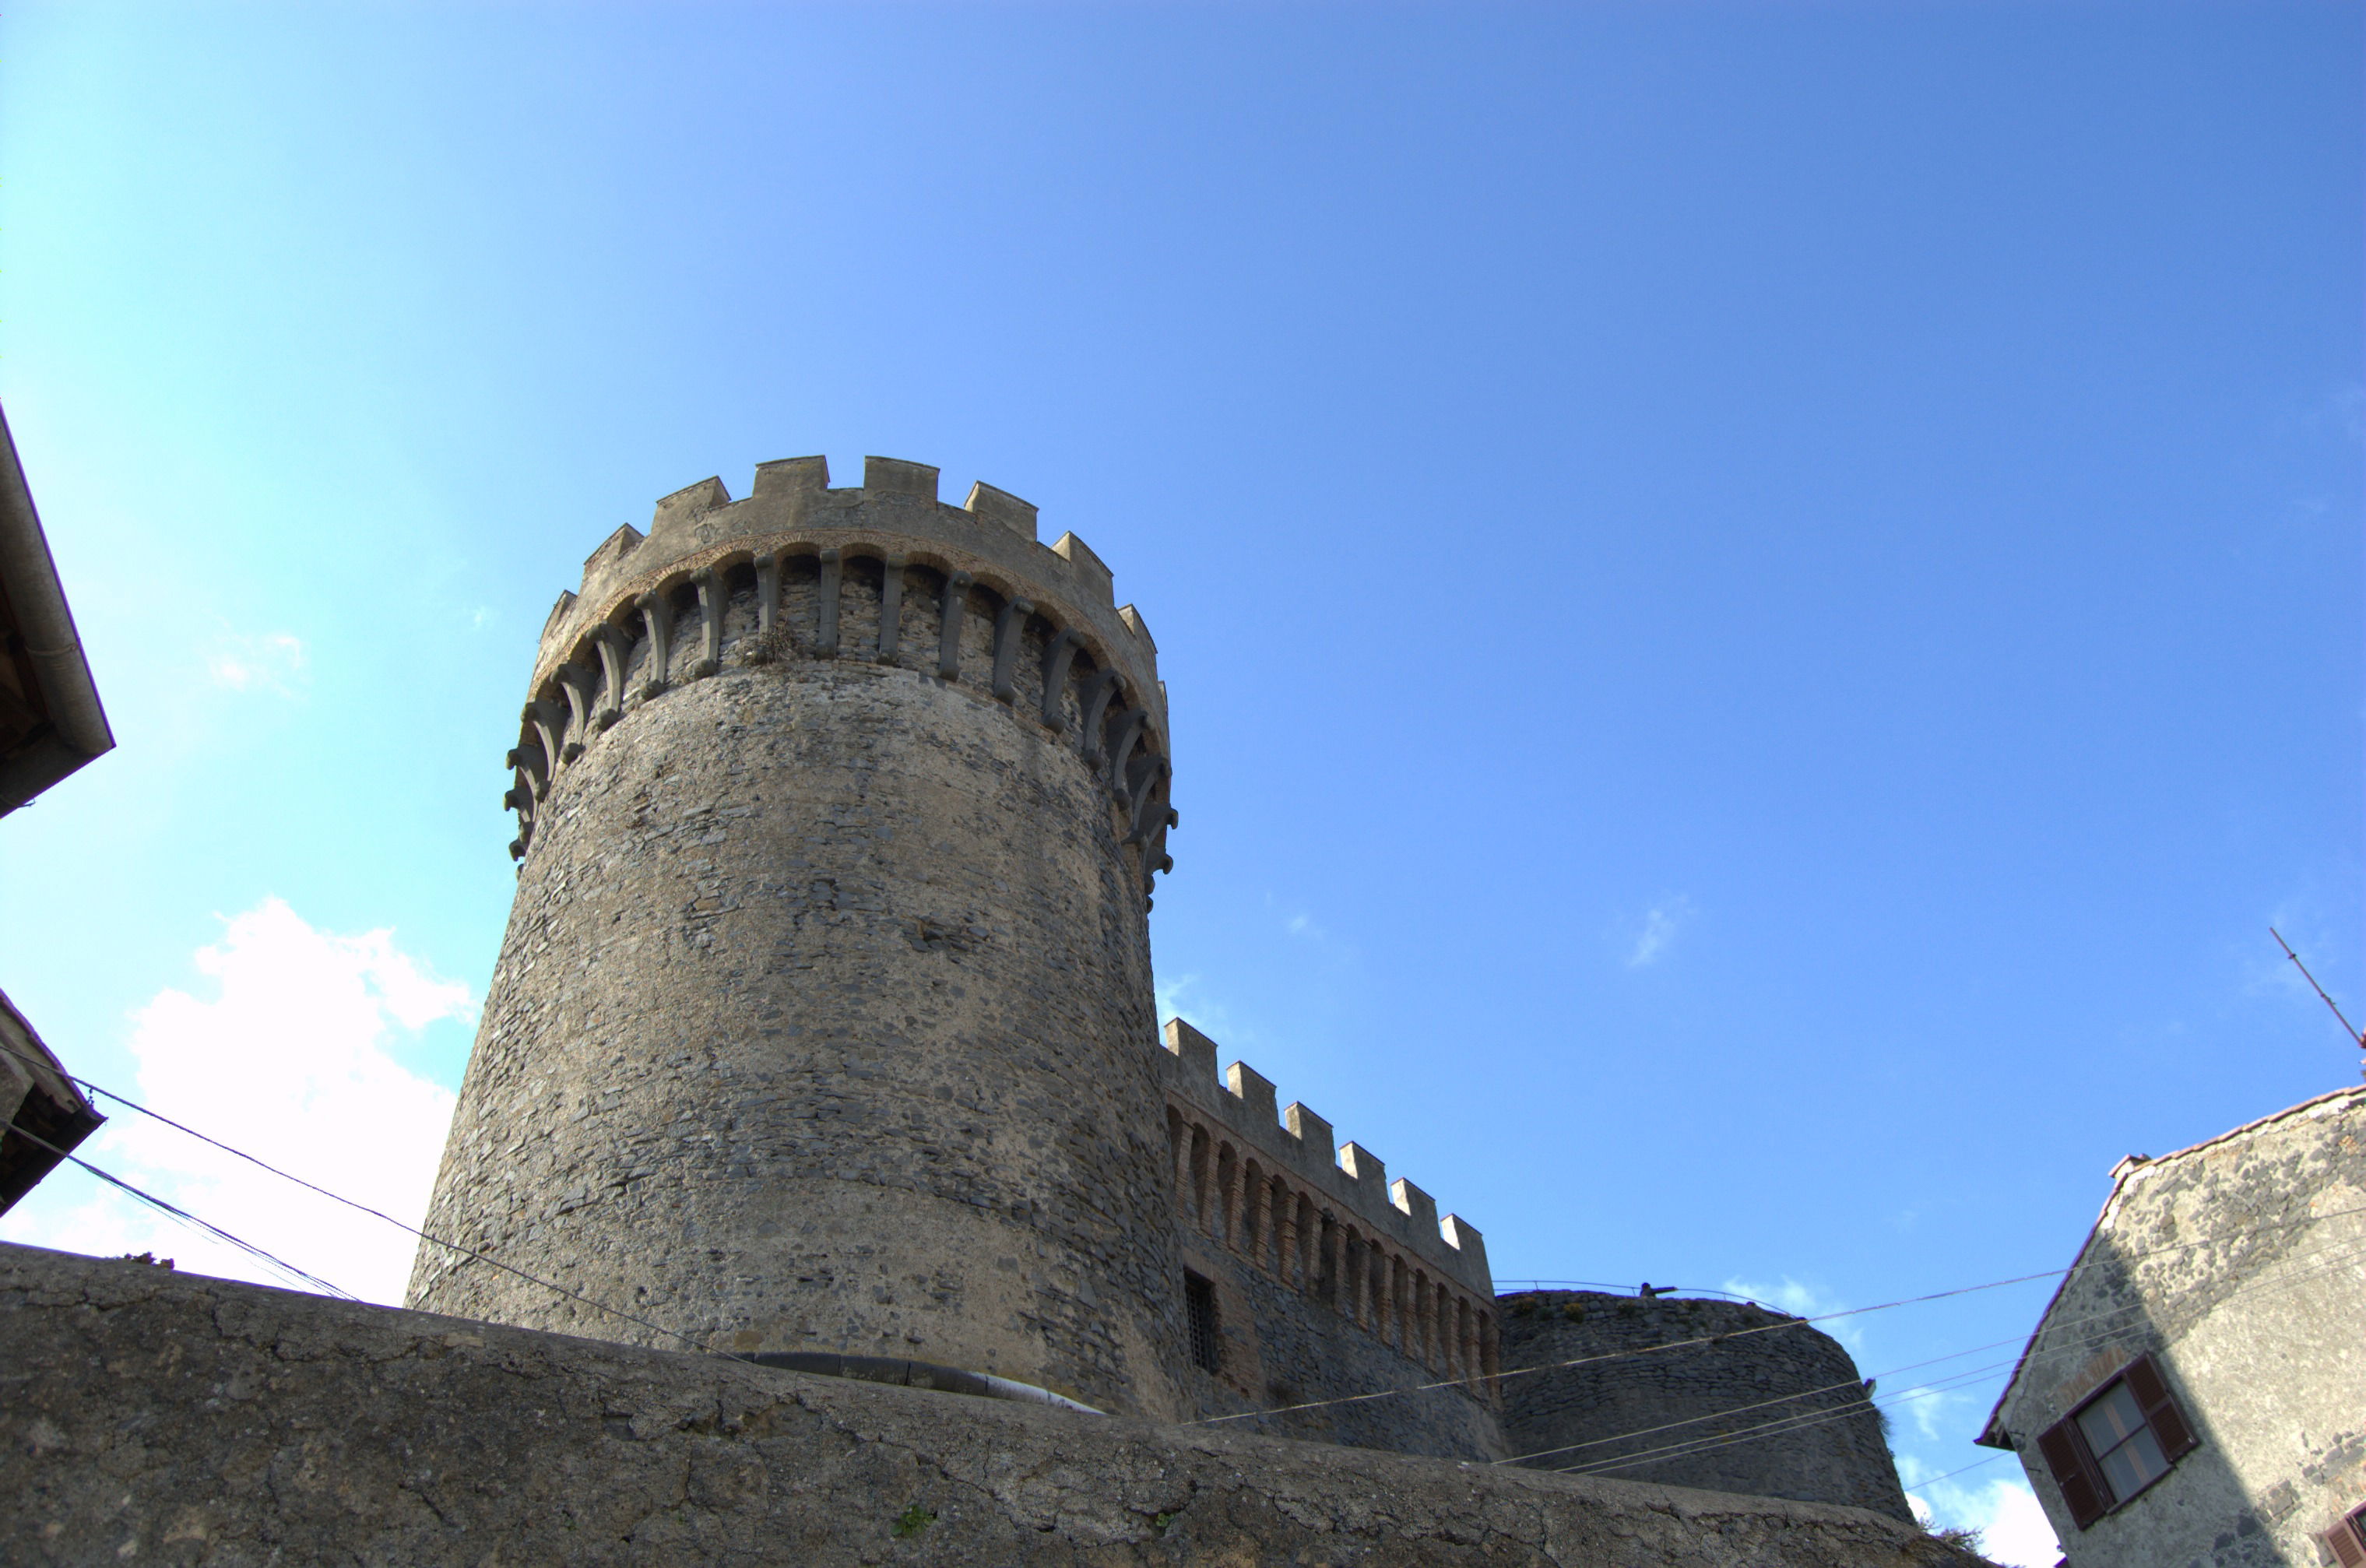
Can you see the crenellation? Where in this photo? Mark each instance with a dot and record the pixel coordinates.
(687, 505)
(790, 480)
(895, 477)
(1090, 572)
(999, 506)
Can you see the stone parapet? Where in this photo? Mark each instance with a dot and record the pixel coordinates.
(882, 574)
(158, 1418)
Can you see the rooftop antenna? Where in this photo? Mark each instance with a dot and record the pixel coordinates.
(2355, 1037)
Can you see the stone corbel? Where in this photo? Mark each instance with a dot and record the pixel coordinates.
(1097, 693)
(891, 606)
(1156, 770)
(1009, 631)
(550, 723)
(956, 600)
(1056, 659)
(615, 653)
(581, 685)
(1129, 728)
(657, 611)
(530, 760)
(710, 623)
(833, 575)
(768, 607)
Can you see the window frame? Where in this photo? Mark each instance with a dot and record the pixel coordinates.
(2347, 1539)
(2078, 1475)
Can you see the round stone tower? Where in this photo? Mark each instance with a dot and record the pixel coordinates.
(824, 1018)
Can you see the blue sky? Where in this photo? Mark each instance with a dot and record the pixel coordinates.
(1760, 603)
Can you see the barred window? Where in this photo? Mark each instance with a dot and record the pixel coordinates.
(1199, 1309)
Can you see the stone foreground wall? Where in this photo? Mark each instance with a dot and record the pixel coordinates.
(155, 1416)
(1772, 1406)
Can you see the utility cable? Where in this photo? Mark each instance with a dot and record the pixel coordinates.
(286, 1269)
(309, 1186)
(2341, 1255)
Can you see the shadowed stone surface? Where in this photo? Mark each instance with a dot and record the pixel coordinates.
(1770, 1405)
(155, 1416)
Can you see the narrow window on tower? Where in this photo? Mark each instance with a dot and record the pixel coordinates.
(1200, 1310)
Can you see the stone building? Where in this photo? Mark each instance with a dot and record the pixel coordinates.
(2194, 1396)
(824, 1025)
(51, 725)
(1725, 1395)
(821, 1042)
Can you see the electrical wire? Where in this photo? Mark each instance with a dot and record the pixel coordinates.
(287, 1269)
(311, 1187)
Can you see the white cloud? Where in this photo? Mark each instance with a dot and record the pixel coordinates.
(1184, 996)
(288, 1061)
(273, 662)
(1660, 923)
(2013, 1525)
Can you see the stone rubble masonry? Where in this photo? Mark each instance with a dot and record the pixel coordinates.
(2239, 1265)
(1330, 1282)
(1820, 1438)
(822, 1017)
(151, 1416)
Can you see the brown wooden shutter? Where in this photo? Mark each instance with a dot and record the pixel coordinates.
(2084, 1491)
(2343, 1542)
(2160, 1411)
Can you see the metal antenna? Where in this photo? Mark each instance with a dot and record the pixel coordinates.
(2358, 1039)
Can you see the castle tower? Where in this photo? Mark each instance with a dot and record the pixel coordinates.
(822, 1017)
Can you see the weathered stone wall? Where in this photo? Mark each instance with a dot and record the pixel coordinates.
(1331, 1282)
(154, 1418)
(2239, 1265)
(822, 1017)
(1665, 1416)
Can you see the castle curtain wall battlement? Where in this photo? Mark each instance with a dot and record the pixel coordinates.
(1271, 1190)
(1328, 1283)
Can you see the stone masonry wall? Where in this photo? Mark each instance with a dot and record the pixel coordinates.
(1332, 1282)
(1661, 1416)
(821, 1019)
(2239, 1265)
(149, 1417)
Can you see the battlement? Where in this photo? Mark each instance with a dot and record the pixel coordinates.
(792, 508)
(881, 574)
(1350, 1178)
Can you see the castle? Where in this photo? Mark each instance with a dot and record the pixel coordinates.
(823, 1026)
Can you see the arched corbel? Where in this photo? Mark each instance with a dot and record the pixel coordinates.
(581, 685)
(891, 606)
(657, 610)
(528, 759)
(616, 654)
(550, 724)
(1129, 729)
(1154, 772)
(710, 623)
(1097, 693)
(833, 574)
(1057, 657)
(1009, 630)
(768, 609)
(949, 616)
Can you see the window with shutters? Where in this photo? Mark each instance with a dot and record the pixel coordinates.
(2126, 1436)
(1199, 1312)
(2346, 1540)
